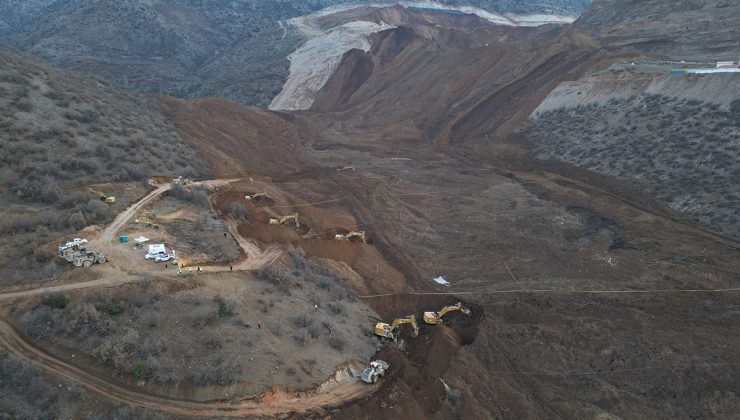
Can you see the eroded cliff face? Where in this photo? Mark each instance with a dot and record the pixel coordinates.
(334, 32)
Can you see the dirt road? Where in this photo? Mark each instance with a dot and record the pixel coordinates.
(269, 404)
(114, 275)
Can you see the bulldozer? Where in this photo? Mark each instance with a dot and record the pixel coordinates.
(282, 220)
(434, 318)
(103, 196)
(393, 330)
(351, 235)
(257, 196)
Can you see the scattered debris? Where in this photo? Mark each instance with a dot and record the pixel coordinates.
(441, 280)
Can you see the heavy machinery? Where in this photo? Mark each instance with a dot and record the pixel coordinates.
(349, 236)
(434, 318)
(393, 330)
(103, 196)
(376, 369)
(282, 220)
(87, 258)
(70, 245)
(257, 196)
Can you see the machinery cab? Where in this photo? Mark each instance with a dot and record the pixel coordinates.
(392, 331)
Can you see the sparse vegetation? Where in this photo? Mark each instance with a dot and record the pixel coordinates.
(683, 152)
(165, 339)
(26, 393)
(59, 134)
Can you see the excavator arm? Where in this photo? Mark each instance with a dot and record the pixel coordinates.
(434, 318)
(411, 320)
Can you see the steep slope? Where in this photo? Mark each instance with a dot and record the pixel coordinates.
(685, 30)
(237, 50)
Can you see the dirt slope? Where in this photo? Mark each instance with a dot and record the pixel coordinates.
(236, 140)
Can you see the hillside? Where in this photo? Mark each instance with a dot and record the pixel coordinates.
(688, 30)
(676, 138)
(60, 134)
(236, 51)
(580, 201)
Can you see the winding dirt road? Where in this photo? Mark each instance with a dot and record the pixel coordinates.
(332, 393)
(269, 404)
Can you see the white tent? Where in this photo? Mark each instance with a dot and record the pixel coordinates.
(141, 240)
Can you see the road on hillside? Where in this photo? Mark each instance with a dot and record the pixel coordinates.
(269, 404)
(114, 275)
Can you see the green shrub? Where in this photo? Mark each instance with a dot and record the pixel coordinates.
(224, 309)
(56, 301)
(140, 371)
(114, 309)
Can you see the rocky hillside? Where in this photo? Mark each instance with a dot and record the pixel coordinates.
(682, 30)
(236, 51)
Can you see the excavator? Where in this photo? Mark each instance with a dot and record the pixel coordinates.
(434, 318)
(282, 220)
(349, 236)
(393, 330)
(103, 196)
(257, 196)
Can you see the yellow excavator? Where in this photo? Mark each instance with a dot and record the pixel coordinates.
(393, 330)
(285, 219)
(103, 197)
(349, 236)
(257, 196)
(434, 318)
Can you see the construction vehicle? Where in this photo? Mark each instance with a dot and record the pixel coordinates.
(89, 257)
(74, 243)
(349, 236)
(434, 318)
(103, 196)
(393, 330)
(181, 181)
(376, 369)
(282, 220)
(257, 196)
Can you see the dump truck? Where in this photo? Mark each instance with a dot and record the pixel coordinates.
(376, 369)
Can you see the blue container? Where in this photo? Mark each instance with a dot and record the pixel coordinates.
(123, 239)
(679, 71)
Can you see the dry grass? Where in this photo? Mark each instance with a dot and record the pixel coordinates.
(58, 135)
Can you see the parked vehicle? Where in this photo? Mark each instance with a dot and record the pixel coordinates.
(153, 255)
(164, 257)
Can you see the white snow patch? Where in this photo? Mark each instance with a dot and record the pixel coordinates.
(441, 280)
